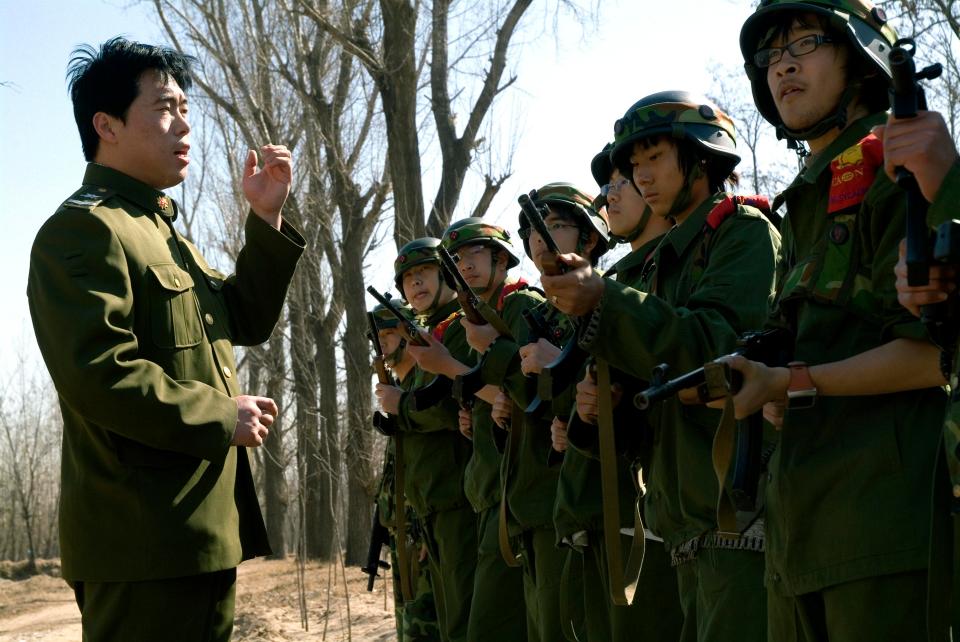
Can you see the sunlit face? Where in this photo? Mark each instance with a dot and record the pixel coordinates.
(389, 339)
(806, 89)
(625, 206)
(657, 174)
(152, 143)
(420, 286)
(474, 263)
(565, 233)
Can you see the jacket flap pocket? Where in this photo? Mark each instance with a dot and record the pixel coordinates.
(171, 276)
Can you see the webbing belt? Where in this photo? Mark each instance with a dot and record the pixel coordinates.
(401, 521)
(509, 457)
(623, 582)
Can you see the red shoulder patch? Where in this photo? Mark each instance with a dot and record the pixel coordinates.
(440, 329)
(728, 206)
(853, 172)
(508, 289)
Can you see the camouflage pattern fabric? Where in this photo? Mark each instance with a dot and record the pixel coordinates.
(475, 230)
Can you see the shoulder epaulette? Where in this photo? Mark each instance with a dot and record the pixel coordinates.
(440, 329)
(728, 206)
(88, 197)
(508, 289)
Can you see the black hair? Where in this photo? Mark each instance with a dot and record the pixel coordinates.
(108, 80)
(859, 69)
(690, 155)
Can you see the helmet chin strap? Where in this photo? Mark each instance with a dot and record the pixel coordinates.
(838, 119)
(685, 196)
(638, 229)
(394, 357)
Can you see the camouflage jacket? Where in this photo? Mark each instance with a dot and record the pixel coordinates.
(848, 494)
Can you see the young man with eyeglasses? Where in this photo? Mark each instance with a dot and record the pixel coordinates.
(710, 280)
(860, 410)
(578, 513)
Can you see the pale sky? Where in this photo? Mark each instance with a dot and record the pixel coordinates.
(568, 94)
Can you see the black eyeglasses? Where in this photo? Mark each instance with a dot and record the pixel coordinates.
(799, 47)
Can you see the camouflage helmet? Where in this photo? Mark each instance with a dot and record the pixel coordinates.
(385, 320)
(864, 25)
(601, 166)
(474, 230)
(416, 252)
(682, 115)
(582, 206)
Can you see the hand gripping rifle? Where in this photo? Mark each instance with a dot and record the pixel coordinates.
(536, 329)
(382, 422)
(737, 450)
(906, 98)
(379, 537)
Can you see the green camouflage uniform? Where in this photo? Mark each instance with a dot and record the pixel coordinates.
(848, 508)
(578, 515)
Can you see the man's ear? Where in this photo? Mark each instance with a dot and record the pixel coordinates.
(106, 126)
(590, 244)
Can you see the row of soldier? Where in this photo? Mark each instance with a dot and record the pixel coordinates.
(534, 485)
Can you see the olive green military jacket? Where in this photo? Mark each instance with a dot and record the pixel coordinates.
(482, 479)
(700, 291)
(137, 332)
(848, 496)
(531, 480)
(386, 494)
(434, 451)
(579, 505)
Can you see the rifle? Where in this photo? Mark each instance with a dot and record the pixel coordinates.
(771, 347)
(906, 98)
(382, 422)
(409, 329)
(379, 537)
(537, 329)
(551, 264)
(469, 301)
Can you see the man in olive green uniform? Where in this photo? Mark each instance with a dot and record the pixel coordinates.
(416, 618)
(529, 479)
(137, 331)
(483, 254)
(848, 509)
(435, 453)
(578, 515)
(710, 280)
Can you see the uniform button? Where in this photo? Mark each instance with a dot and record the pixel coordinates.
(769, 477)
(956, 491)
(176, 281)
(775, 577)
(226, 372)
(208, 318)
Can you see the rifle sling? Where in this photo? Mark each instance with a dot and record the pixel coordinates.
(401, 521)
(491, 316)
(509, 459)
(718, 387)
(623, 581)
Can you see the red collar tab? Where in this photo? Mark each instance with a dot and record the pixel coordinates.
(853, 172)
(508, 289)
(441, 327)
(728, 206)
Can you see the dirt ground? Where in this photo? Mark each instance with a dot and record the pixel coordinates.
(42, 607)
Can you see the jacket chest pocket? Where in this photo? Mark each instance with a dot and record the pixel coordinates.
(174, 316)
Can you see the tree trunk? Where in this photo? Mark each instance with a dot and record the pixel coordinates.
(325, 467)
(274, 461)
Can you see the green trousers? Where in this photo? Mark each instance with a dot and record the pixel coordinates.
(655, 613)
(416, 619)
(542, 564)
(497, 611)
(451, 539)
(723, 598)
(889, 607)
(198, 608)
